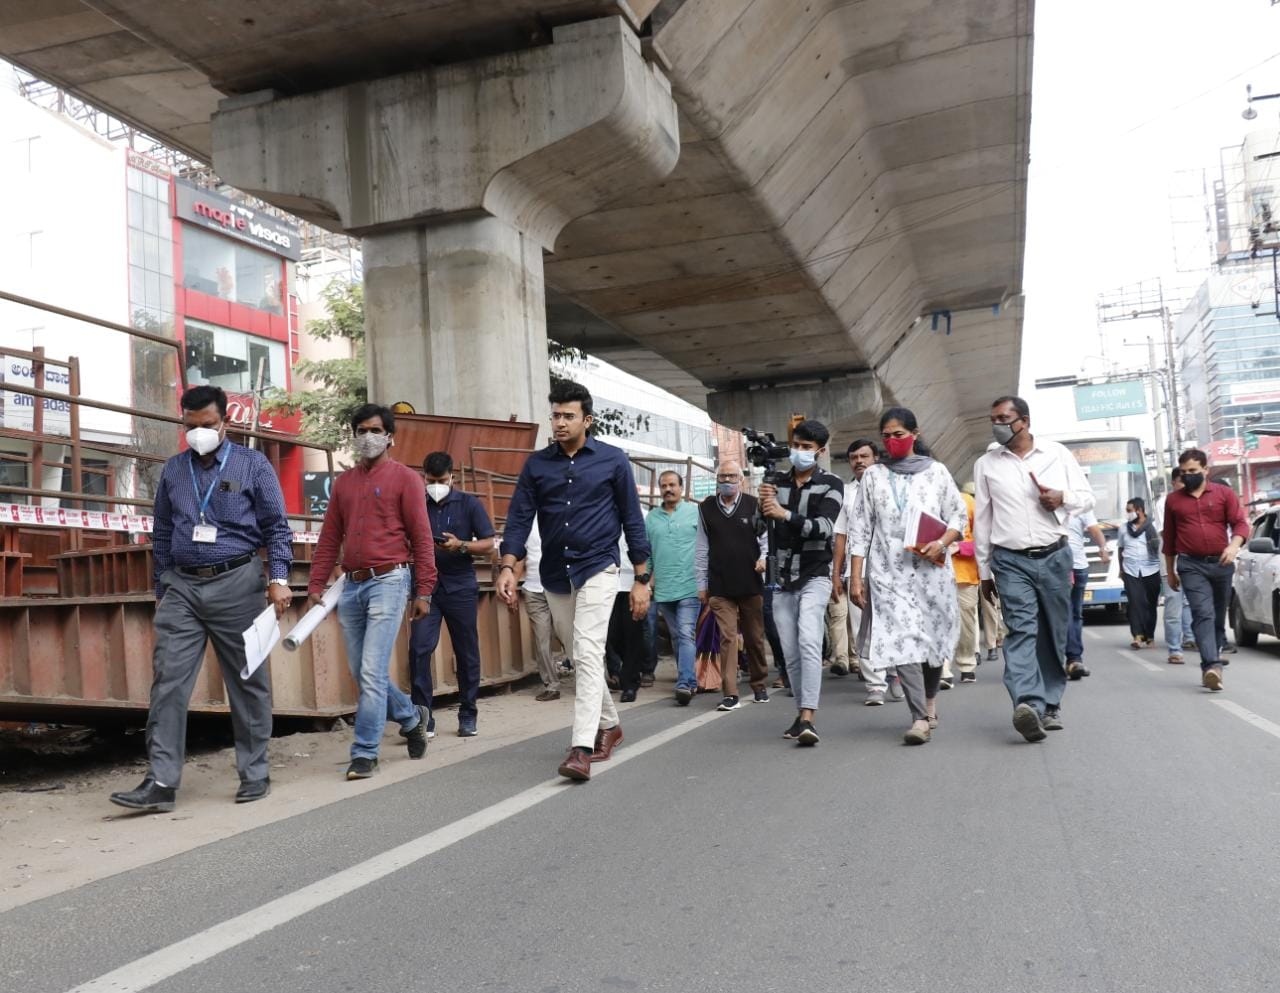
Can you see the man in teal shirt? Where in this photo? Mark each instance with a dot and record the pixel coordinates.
(673, 536)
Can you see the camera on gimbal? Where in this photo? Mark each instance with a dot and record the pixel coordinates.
(764, 451)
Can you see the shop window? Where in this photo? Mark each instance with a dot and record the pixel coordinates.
(231, 359)
(13, 472)
(225, 268)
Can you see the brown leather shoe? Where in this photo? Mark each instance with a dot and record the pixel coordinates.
(546, 695)
(607, 739)
(576, 765)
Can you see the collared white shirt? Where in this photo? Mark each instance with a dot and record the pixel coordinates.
(1008, 512)
(844, 523)
(1077, 525)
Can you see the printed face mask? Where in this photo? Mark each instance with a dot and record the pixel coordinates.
(802, 459)
(203, 440)
(899, 448)
(370, 446)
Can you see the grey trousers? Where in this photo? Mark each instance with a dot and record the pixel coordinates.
(1035, 597)
(192, 612)
(919, 685)
(535, 605)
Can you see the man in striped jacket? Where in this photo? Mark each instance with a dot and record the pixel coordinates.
(803, 509)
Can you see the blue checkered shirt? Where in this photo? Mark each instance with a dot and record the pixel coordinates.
(247, 508)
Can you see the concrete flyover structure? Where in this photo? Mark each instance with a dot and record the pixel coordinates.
(767, 206)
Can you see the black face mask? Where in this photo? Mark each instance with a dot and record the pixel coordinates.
(1192, 481)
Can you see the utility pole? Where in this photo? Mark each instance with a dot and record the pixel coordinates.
(1162, 467)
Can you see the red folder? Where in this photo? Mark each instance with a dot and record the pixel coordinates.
(921, 529)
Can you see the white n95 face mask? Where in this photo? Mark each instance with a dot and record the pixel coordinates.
(438, 491)
(203, 440)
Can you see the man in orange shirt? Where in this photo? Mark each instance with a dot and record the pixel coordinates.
(965, 657)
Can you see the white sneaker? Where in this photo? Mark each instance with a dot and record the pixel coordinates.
(875, 698)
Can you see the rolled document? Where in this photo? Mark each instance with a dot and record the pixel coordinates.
(312, 618)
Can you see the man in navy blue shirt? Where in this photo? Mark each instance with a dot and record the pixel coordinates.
(583, 493)
(462, 529)
(216, 505)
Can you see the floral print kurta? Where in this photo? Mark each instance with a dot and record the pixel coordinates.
(914, 611)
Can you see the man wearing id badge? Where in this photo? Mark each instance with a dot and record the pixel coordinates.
(217, 504)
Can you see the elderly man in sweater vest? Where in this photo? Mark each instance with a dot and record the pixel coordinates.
(729, 561)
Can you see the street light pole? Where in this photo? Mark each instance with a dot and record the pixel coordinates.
(1161, 465)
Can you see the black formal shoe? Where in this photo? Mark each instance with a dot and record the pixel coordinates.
(1075, 669)
(416, 738)
(248, 792)
(628, 696)
(467, 727)
(149, 796)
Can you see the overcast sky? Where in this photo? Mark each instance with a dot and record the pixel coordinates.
(1126, 96)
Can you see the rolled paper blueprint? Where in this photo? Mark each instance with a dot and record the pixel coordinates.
(312, 618)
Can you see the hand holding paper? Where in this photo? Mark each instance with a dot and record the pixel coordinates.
(259, 639)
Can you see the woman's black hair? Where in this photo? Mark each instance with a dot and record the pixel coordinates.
(907, 419)
(1138, 504)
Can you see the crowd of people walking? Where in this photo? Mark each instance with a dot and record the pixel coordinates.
(897, 575)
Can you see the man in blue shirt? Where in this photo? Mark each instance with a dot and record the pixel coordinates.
(583, 493)
(462, 529)
(672, 528)
(216, 505)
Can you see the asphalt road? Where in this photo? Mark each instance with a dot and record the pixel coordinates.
(1134, 850)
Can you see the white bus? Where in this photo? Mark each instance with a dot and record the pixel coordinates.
(1117, 472)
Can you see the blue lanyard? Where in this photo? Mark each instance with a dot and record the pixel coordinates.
(191, 466)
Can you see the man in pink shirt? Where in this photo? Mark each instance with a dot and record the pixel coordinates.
(377, 517)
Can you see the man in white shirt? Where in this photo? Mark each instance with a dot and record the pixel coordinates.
(1025, 491)
(841, 614)
(1177, 611)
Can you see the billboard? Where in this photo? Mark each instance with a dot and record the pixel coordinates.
(17, 410)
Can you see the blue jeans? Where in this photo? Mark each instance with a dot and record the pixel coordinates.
(1035, 597)
(371, 613)
(1075, 626)
(1177, 619)
(682, 620)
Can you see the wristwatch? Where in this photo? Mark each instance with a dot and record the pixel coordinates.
(279, 582)
(642, 577)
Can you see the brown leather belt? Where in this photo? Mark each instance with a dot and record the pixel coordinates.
(363, 575)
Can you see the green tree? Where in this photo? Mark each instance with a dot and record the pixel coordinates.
(338, 386)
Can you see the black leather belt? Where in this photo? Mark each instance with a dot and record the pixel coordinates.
(362, 575)
(205, 571)
(1201, 558)
(1039, 551)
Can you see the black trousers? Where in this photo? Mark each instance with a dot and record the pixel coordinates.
(624, 646)
(1144, 597)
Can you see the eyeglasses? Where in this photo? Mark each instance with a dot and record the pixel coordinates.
(727, 477)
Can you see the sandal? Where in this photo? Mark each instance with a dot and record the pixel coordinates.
(917, 735)
(1135, 643)
(933, 721)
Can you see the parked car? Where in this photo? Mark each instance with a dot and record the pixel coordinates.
(1255, 590)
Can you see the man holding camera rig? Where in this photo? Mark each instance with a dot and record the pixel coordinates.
(802, 508)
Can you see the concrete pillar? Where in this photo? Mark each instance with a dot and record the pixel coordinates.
(460, 319)
(845, 404)
(457, 178)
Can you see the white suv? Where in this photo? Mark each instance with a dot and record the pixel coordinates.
(1255, 589)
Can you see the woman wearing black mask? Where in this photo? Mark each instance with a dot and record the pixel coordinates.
(910, 588)
(1139, 548)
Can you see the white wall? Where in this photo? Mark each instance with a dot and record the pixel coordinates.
(63, 240)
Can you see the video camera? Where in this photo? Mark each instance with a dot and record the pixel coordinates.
(764, 451)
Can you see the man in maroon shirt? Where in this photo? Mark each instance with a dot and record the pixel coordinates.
(1204, 528)
(377, 516)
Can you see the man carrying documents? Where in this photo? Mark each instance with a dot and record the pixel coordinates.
(217, 504)
(906, 516)
(1026, 489)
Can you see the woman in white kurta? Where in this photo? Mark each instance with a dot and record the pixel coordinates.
(915, 616)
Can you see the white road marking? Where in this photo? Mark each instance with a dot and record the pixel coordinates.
(1249, 717)
(1135, 657)
(173, 959)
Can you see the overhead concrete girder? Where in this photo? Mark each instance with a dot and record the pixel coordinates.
(457, 178)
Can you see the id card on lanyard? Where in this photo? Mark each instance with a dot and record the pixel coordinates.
(205, 533)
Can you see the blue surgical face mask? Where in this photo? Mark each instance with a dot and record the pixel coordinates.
(727, 489)
(802, 459)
